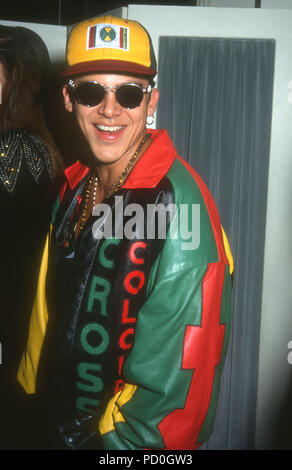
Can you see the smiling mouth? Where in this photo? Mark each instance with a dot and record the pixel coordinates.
(111, 129)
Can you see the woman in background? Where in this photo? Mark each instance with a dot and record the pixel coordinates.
(30, 168)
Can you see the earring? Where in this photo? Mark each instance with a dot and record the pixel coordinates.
(150, 122)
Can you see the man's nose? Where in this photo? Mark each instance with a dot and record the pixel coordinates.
(109, 106)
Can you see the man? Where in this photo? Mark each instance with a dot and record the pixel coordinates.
(130, 323)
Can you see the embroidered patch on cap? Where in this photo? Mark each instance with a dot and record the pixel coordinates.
(108, 35)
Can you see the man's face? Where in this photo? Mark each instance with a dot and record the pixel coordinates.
(112, 131)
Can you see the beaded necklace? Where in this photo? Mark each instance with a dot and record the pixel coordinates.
(92, 182)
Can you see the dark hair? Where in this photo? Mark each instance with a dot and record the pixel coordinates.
(26, 64)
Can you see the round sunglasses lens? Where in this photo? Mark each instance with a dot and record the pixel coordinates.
(129, 96)
(89, 94)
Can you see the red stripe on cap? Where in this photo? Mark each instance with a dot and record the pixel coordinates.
(109, 66)
(92, 34)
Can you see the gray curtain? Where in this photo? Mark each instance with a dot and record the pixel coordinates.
(216, 103)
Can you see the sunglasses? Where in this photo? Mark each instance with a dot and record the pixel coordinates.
(128, 95)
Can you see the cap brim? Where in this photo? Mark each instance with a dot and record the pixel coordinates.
(109, 66)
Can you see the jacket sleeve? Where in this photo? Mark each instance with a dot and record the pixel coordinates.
(173, 372)
(28, 367)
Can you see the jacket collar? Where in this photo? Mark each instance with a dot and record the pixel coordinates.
(148, 171)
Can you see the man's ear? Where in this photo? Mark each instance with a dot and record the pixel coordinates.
(67, 99)
(153, 101)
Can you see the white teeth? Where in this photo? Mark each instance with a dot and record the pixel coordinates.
(108, 128)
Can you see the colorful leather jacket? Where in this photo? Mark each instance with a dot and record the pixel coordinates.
(139, 325)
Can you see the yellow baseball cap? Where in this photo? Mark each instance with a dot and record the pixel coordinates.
(110, 44)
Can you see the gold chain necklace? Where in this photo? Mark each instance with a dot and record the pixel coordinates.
(125, 173)
(94, 181)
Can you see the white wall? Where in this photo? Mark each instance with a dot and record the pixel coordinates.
(274, 379)
(121, 12)
(276, 4)
(227, 3)
(54, 37)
